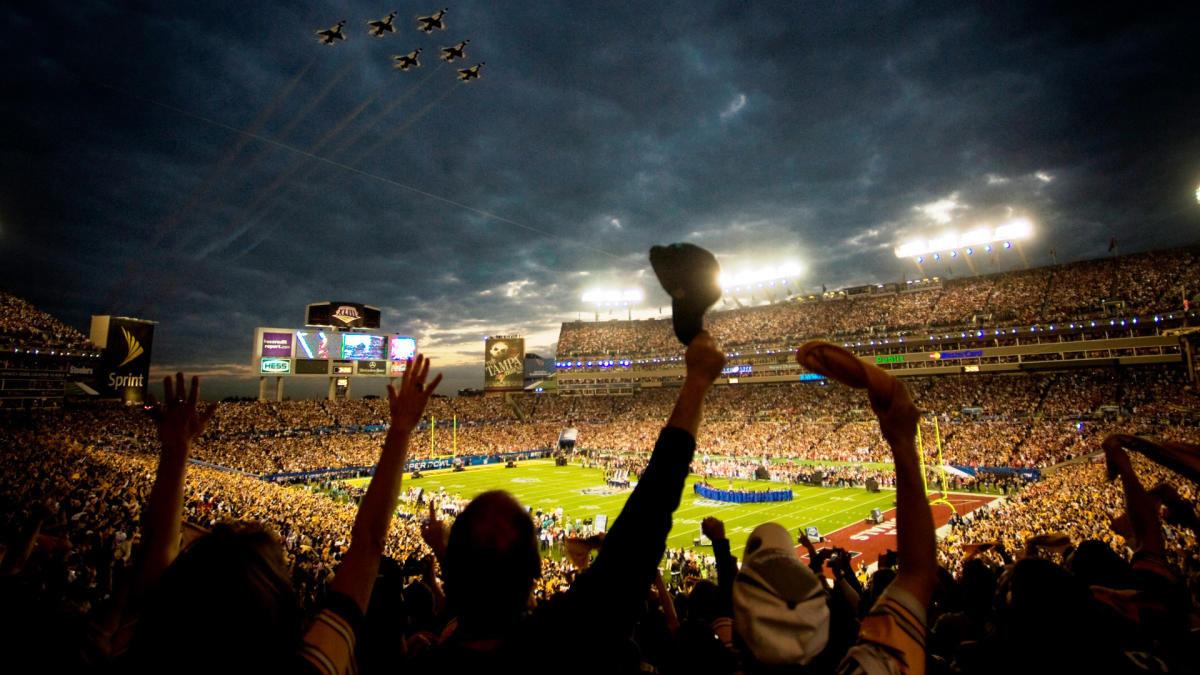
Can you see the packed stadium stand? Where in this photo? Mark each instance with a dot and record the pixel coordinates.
(39, 353)
(1035, 370)
(1141, 285)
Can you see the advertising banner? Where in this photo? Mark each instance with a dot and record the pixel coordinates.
(125, 360)
(504, 364)
(372, 367)
(274, 366)
(277, 344)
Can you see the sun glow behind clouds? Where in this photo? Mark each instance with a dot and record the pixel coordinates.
(941, 211)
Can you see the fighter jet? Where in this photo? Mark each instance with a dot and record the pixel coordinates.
(381, 26)
(409, 60)
(465, 74)
(330, 34)
(432, 22)
(455, 52)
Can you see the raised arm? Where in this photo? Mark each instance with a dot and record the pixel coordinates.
(714, 529)
(916, 542)
(898, 418)
(1139, 505)
(633, 547)
(178, 424)
(356, 575)
(704, 362)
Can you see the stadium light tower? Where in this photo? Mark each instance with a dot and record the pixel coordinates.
(613, 298)
(762, 280)
(953, 244)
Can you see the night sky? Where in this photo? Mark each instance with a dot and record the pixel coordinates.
(213, 167)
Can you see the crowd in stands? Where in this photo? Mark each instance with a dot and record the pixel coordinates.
(117, 553)
(1133, 285)
(1022, 421)
(21, 323)
(90, 566)
(88, 560)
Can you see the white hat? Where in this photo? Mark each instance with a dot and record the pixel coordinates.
(779, 606)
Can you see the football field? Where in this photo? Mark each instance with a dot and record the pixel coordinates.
(582, 493)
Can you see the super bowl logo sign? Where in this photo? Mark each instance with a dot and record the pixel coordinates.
(347, 315)
(504, 363)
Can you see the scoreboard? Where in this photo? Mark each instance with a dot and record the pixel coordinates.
(331, 353)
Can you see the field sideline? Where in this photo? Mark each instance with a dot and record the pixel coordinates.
(540, 484)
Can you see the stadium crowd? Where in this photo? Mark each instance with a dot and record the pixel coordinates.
(1024, 421)
(23, 324)
(95, 502)
(116, 553)
(1133, 285)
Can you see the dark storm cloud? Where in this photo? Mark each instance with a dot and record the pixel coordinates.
(823, 132)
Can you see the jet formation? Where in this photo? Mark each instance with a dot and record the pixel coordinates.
(427, 24)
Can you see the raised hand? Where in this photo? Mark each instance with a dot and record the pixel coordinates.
(713, 528)
(408, 402)
(434, 532)
(1140, 523)
(178, 423)
(806, 543)
(356, 575)
(177, 419)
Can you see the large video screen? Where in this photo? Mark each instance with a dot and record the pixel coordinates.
(361, 347)
(402, 348)
(312, 344)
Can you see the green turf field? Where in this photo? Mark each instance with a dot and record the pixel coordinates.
(541, 484)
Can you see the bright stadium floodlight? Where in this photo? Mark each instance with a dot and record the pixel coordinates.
(759, 275)
(613, 296)
(949, 242)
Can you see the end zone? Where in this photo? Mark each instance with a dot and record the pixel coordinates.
(867, 541)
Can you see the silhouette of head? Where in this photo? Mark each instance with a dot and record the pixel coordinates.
(235, 578)
(491, 561)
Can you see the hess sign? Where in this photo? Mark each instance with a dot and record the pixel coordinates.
(276, 366)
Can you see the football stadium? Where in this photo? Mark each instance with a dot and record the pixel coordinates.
(628, 338)
(1009, 422)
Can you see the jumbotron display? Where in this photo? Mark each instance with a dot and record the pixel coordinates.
(327, 352)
